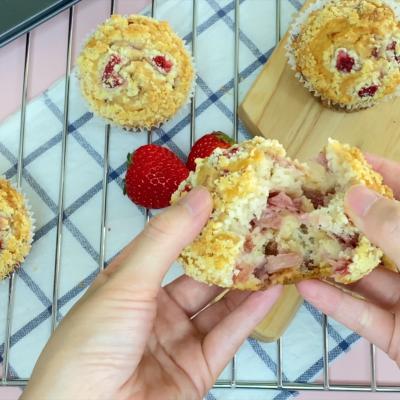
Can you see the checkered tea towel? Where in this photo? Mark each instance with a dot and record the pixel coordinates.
(80, 245)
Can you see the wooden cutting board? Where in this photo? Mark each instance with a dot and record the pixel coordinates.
(278, 319)
(278, 106)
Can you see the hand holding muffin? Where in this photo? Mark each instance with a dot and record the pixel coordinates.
(276, 220)
(129, 338)
(377, 318)
(202, 345)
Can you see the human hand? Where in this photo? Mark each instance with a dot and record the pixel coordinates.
(378, 317)
(128, 338)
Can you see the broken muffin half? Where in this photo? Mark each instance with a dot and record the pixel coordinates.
(276, 220)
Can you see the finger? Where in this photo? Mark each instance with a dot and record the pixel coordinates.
(381, 287)
(147, 258)
(377, 217)
(220, 345)
(368, 320)
(390, 170)
(213, 315)
(191, 295)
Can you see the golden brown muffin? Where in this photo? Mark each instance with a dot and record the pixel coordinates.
(135, 72)
(348, 51)
(16, 229)
(276, 220)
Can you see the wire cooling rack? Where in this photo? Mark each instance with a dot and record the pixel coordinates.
(233, 382)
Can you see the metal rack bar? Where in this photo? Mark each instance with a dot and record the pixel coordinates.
(277, 20)
(12, 282)
(325, 351)
(20, 165)
(235, 122)
(56, 281)
(279, 368)
(14, 382)
(10, 309)
(150, 132)
(193, 102)
(236, 76)
(104, 195)
(225, 384)
(104, 191)
(373, 367)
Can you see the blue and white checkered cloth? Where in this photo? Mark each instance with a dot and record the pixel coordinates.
(302, 343)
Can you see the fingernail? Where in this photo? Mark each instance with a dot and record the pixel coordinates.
(197, 200)
(359, 199)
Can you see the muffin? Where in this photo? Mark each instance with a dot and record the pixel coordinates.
(135, 72)
(276, 220)
(347, 52)
(16, 227)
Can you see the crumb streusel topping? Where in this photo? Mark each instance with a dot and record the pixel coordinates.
(135, 71)
(349, 51)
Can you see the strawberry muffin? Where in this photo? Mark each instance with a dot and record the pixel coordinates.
(276, 220)
(16, 227)
(135, 72)
(347, 52)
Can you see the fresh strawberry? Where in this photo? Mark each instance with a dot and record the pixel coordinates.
(153, 175)
(206, 145)
(344, 62)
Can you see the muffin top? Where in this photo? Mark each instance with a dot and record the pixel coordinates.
(15, 229)
(135, 71)
(348, 51)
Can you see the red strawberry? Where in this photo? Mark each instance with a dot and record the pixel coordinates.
(206, 145)
(368, 91)
(344, 62)
(153, 175)
(110, 78)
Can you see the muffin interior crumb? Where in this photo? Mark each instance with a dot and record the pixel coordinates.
(277, 220)
(307, 229)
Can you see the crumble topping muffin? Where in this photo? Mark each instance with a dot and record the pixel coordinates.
(276, 220)
(135, 72)
(16, 228)
(348, 52)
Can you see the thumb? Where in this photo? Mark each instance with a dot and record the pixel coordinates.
(377, 217)
(148, 257)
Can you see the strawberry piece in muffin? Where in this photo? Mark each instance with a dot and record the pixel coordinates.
(344, 62)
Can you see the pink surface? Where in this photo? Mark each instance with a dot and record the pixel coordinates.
(355, 367)
(48, 64)
(48, 52)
